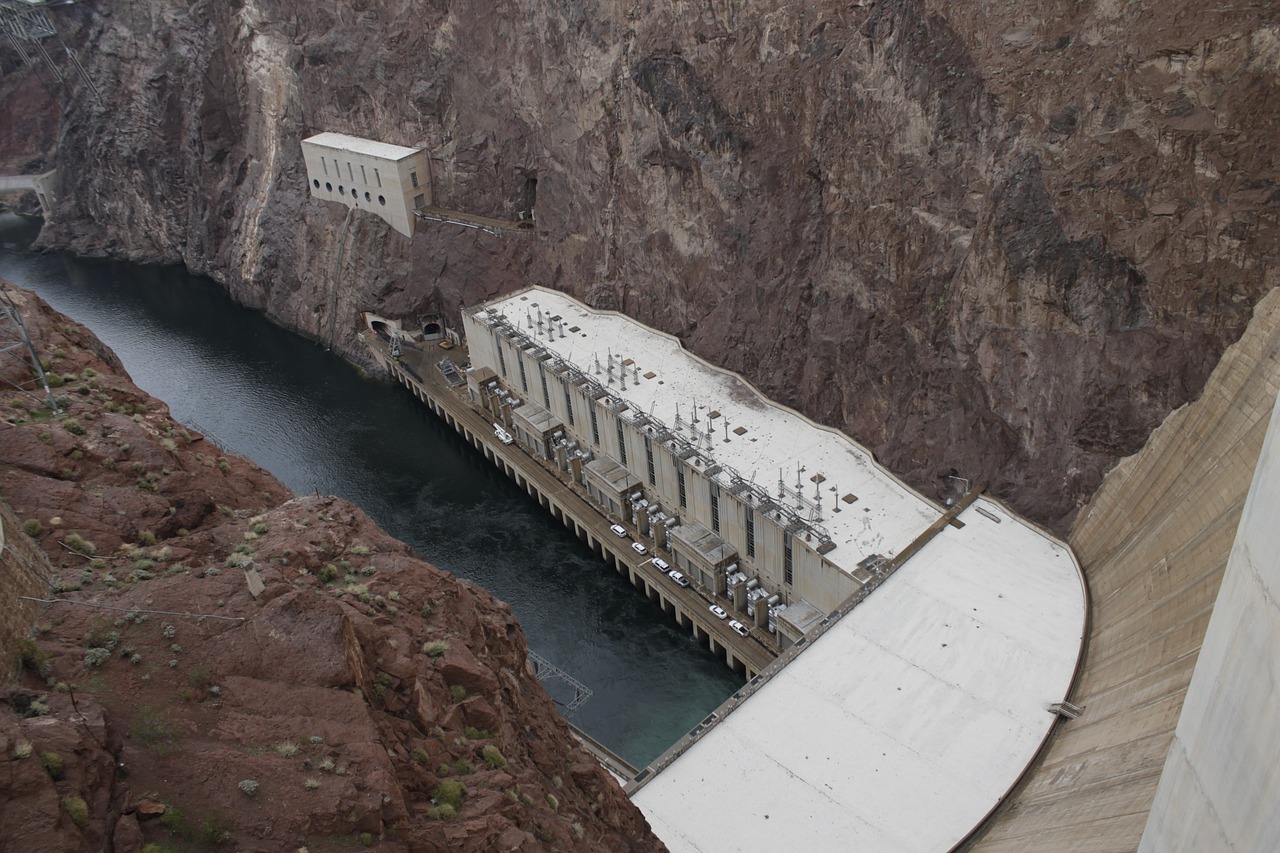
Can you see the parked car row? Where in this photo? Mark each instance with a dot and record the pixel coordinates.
(679, 579)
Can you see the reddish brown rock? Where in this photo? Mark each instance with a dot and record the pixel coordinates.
(308, 713)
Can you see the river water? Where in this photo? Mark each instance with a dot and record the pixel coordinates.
(316, 423)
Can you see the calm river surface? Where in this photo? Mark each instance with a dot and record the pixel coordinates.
(317, 424)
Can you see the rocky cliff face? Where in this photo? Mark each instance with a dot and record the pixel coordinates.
(999, 241)
(228, 664)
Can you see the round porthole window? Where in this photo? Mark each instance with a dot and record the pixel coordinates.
(315, 184)
(366, 197)
(328, 187)
(381, 200)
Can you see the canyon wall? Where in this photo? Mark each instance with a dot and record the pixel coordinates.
(1000, 241)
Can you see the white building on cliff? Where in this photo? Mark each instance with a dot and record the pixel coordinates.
(389, 181)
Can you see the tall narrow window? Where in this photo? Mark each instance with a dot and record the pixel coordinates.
(595, 425)
(622, 442)
(524, 379)
(350, 174)
(648, 458)
(715, 507)
(684, 499)
(325, 164)
(413, 179)
(786, 557)
(502, 362)
(377, 176)
(568, 401)
(751, 531)
(546, 397)
(364, 176)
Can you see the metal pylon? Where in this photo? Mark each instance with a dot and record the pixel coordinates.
(545, 670)
(14, 342)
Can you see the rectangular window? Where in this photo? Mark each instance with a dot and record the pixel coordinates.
(786, 557)
(715, 508)
(648, 458)
(524, 379)
(337, 168)
(568, 402)
(350, 174)
(622, 442)
(751, 531)
(325, 164)
(364, 176)
(595, 425)
(546, 397)
(684, 500)
(502, 362)
(419, 201)
(413, 179)
(376, 176)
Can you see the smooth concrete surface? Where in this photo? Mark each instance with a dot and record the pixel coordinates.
(1220, 787)
(1154, 543)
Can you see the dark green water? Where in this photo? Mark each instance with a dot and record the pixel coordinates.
(314, 422)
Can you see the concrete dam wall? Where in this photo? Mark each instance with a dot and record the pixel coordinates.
(1154, 543)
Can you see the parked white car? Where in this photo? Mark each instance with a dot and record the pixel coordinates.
(718, 611)
(638, 548)
(680, 579)
(663, 565)
(742, 630)
(618, 530)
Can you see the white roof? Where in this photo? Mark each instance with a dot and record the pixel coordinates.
(357, 145)
(902, 725)
(887, 514)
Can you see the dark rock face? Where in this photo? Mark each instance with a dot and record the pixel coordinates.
(999, 241)
(357, 685)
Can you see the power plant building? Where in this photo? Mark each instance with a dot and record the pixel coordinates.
(908, 717)
(389, 181)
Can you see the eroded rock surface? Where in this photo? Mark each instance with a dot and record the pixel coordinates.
(994, 240)
(168, 704)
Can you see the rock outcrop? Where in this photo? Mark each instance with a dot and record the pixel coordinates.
(1000, 241)
(225, 662)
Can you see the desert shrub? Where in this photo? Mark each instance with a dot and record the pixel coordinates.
(311, 783)
(32, 527)
(435, 648)
(80, 545)
(473, 733)
(328, 573)
(493, 757)
(52, 763)
(73, 426)
(419, 755)
(443, 811)
(553, 802)
(146, 538)
(449, 792)
(77, 809)
(463, 767)
(96, 657)
(261, 528)
(248, 786)
(457, 693)
(360, 550)
(55, 380)
(287, 748)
